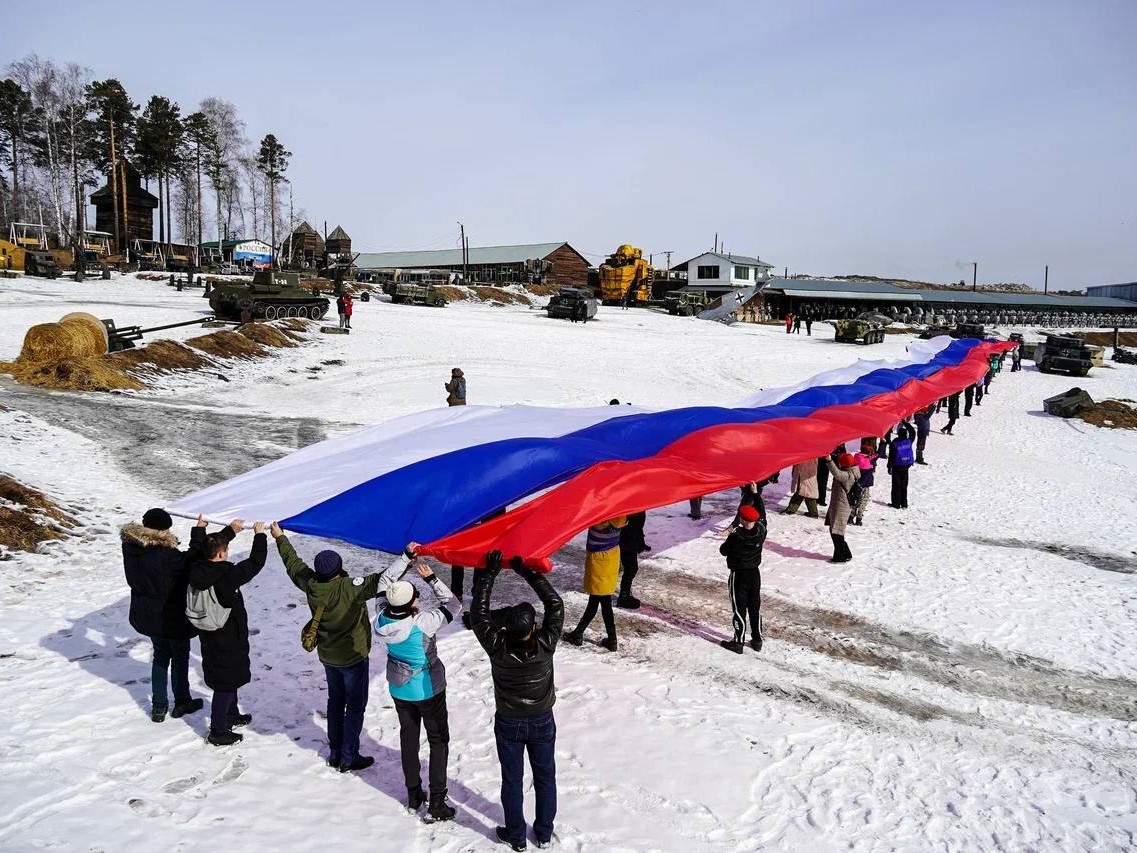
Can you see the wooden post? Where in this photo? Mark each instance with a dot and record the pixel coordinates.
(125, 212)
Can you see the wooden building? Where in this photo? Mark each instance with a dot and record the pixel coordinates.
(302, 249)
(138, 221)
(338, 242)
(556, 264)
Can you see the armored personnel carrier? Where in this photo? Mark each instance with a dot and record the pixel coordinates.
(271, 294)
(866, 328)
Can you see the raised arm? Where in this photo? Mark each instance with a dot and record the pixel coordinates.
(480, 622)
(553, 623)
(396, 569)
(299, 572)
(251, 566)
(430, 620)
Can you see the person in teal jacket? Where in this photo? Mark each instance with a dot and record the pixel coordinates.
(416, 677)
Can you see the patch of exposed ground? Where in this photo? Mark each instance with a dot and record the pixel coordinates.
(29, 517)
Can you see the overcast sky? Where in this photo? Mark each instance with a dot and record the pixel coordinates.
(904, 138)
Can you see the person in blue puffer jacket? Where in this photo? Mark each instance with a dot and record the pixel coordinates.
(416, 677)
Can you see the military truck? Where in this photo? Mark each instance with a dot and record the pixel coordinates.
(410, 293)
(1067, 354)
(42, 264)
(865, 328)
(271, 294)
(685, 303)
(572, 303)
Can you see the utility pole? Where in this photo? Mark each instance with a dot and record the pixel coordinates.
(462, 242)
(1046, 281)
(974, 275)
(715, 247)
(668, 253)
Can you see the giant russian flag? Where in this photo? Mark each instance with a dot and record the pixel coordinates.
(430, 477)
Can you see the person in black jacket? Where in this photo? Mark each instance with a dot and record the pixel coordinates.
(521, 660)
(225, 652)
(899, 472)
(743, 552)
(632, 544)
(156, 572)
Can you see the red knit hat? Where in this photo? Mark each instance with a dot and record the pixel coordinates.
(847, 460)
(748, 513)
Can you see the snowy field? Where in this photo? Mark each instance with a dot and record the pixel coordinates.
(967, 682)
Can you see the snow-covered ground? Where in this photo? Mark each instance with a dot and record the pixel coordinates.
(968, 681)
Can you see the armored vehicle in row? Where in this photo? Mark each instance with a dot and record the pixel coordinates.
(959, 330)
(572, 303)
(1061, 353)
(866, 328)
(270, 295)
(685, 303)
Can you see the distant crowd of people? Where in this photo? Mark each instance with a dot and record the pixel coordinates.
(177, 595)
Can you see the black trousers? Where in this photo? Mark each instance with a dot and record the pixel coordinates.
(950, 424)
(841, 552)
(968, 399)
(899, 487)
(604, 604)
(457, 579)
(921, 443)
(431, 714)
(630, 560)
(822, 480)
(746, 604)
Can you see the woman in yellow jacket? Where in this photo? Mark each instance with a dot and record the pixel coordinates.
(601, 568)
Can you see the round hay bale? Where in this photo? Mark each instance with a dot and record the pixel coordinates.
(91, 320)
(77, 338)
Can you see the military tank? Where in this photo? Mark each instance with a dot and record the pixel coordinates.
(271, 295)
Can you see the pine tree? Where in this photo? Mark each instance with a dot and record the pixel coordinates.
(112, 139)
(272, 161)
(197, 132)
(17, 123)
(159, 149)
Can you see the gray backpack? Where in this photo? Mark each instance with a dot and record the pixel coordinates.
(203, 609)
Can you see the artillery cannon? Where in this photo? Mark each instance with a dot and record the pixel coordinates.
(125, 337)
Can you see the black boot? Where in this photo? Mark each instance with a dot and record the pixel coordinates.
(191, 706)
(362, 762)
(756, 644)
(439, 808)
(609, 643)
(574, 638)
(158, 714)
(731, 646)
(627, 601)
(503, 837)
(240, 719)
(219, 738)
(415, 798)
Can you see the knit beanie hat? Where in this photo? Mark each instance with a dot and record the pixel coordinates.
(400, 596)
(157, 519)
(748, 513)
(327, 564)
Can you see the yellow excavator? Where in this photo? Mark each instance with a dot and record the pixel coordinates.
(625, 275)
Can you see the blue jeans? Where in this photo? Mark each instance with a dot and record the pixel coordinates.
(170, 656)
(514, 736)
(347, 699)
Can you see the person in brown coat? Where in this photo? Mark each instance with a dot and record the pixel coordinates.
(803, 483)
(456, 388)
(843, 476)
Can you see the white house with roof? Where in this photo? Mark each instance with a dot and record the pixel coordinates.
(719, 271)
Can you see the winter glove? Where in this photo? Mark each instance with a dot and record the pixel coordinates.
(517, 564)
(493, 562)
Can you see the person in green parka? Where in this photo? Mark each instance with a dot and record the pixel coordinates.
(338, 603)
